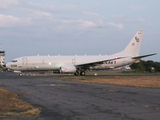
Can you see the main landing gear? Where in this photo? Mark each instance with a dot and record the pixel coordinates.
(78, 72)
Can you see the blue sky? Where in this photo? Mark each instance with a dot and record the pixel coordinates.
(68, 27)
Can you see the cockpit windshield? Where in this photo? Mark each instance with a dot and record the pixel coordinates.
(2, 51)
(14, 61)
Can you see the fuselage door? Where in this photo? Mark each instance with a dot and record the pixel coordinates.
(24, 63)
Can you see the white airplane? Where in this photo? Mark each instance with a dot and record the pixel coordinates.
(79, 64)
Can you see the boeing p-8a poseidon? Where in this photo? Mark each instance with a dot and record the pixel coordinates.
(79, 64)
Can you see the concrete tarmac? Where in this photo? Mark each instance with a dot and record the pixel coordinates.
(63, 100)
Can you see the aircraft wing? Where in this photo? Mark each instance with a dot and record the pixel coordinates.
(138, 57)
(95, 63)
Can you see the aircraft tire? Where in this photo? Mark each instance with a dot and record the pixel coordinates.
(76, 73)
(82, 73)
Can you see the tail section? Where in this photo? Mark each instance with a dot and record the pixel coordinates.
(133, 48)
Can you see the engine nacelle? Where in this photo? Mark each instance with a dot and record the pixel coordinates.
(68, 69)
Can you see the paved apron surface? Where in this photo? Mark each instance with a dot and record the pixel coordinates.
(61, 100)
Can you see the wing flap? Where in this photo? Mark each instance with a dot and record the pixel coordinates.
(95, 63)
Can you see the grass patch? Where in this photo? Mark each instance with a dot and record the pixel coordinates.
(134, 81)
(12, 106)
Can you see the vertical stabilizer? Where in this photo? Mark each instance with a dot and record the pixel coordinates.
(133, 48)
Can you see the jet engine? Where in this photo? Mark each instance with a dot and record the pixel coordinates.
(68, 69)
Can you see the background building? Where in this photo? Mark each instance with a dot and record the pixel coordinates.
(2, 58)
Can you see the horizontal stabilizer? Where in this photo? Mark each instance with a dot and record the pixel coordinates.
(138, 57)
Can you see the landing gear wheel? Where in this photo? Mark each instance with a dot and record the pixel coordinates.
(79, 72)
(83, 73)
(76, 73)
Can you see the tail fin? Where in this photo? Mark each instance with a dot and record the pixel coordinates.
(133, 48)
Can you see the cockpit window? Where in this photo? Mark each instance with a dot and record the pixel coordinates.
(2, 52)
(14, 61)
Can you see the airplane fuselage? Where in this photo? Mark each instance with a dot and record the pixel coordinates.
(53, 63)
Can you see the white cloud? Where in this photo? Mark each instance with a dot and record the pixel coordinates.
(122, 18)
(79, 24)
(86, 24)
(127, 19)
(95, 16)
(11, 21)
(62, 7)
(52, 7)
(8, 20)
(40, 14)
(141, 20)
(138, 8)
(119, 26)
(7, 3)
(92, 14)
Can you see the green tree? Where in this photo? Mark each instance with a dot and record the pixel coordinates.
(146, 66)
(157, 66)
(139, 67)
